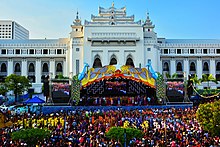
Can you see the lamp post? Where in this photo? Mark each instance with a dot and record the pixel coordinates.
(185, 87)
(50, 86)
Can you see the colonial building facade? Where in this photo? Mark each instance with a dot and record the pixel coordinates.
(111, 37)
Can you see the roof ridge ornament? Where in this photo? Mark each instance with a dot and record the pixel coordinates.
(113, 4)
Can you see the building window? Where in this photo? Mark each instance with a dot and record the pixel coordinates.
(166, 67)
(205, 51)
(148, 49)
(17, 51)
(59, 51)
(45, 51)
(77, 49)
(179, 67)
(77, 66)
(4, 51)
(31, 51)
(192, 67)
(178, 51)
(192, 51)
(218, 51)
(205, 67)
(165, 51)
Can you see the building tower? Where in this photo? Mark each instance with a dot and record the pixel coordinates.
(76, 46)
(150, 44)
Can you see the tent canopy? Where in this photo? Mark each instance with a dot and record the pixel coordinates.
(34, 100)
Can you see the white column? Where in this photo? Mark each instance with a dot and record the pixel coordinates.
(24, 67)
(10, 67)
(212, 67)
(172, 67)
(71, 59)
(105, 58)
(121, 58)
(199, 68)
(186, 67)
(52, 67)
(38, 71)
(64, 68)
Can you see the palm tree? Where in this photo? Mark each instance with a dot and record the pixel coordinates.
(208, 78)
(174, 76)
(195, 80)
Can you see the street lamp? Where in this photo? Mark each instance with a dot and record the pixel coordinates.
(185, 87)
(50, 86)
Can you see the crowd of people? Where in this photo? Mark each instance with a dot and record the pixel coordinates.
(139, 100)
(167, 127)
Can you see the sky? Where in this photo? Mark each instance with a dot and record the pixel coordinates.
(174, 19)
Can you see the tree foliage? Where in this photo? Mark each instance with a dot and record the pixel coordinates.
(173, 76)
(3, 89)
(117, 133)
(208, 116)
(195, 80)
(208, 78)
(31, 136)
(17, 83)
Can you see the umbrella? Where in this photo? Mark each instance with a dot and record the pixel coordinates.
(34, 100)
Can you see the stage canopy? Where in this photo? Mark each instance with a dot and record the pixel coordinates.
(114, 71)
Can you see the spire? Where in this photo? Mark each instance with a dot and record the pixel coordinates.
(148, 22)
(77, 15)
(113, 4)
(148, 18)
(77, 21)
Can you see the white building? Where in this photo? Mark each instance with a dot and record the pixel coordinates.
(12, 30)
(112, 37)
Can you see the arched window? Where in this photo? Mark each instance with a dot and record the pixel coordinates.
(179, 67)
(31, 68)
(205, 67)
(45, 68)
(129, 61)
(192, 67)
(97, 62)
(3, 67)
(166, 67)
(218, 66)
(113, 60)
(59, 67)
(17, 67)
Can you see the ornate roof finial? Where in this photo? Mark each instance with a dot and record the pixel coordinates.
(113, 4)
(77, 15)
(148, 17)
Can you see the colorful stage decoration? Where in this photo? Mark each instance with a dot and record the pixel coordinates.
(75, 90)
(140, 75)
(161, 87)
(150, 68)
(83, 73)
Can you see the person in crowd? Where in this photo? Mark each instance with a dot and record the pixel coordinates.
(82, 128)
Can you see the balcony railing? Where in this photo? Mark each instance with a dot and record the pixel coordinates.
(31, 73)
(17, 73)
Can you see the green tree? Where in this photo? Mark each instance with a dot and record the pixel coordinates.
(31, 136)
(195, 80)
(117, 133)
(3, 89)
(208, 78)
(173, 76)
(17, 83)
(208, 116)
